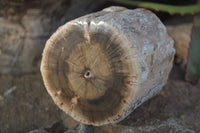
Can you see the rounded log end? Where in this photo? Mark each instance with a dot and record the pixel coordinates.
(100, 67)
(91, 71)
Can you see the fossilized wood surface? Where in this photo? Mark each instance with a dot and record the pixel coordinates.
(100, 67)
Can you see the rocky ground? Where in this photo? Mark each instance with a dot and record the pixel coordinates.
(25, 106)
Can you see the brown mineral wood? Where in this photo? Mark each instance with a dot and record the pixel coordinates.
(100, 67)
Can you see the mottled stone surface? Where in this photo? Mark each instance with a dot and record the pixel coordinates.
(181, 34)
(12, 35)
(25, 27)
(22, 43)
(25, 106)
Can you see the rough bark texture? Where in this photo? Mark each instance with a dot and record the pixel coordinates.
(155, 50)
(141, 55)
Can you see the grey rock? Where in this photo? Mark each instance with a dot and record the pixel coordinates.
(23, 34)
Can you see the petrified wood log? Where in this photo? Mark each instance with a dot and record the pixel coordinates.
(100, 67)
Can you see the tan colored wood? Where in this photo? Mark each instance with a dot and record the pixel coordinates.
(100, 67)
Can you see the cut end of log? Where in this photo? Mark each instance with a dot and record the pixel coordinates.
(90, 68)
(95, 67)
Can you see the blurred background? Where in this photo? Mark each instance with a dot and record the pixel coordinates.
(25, 106)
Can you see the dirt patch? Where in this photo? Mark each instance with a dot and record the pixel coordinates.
(25, 105)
